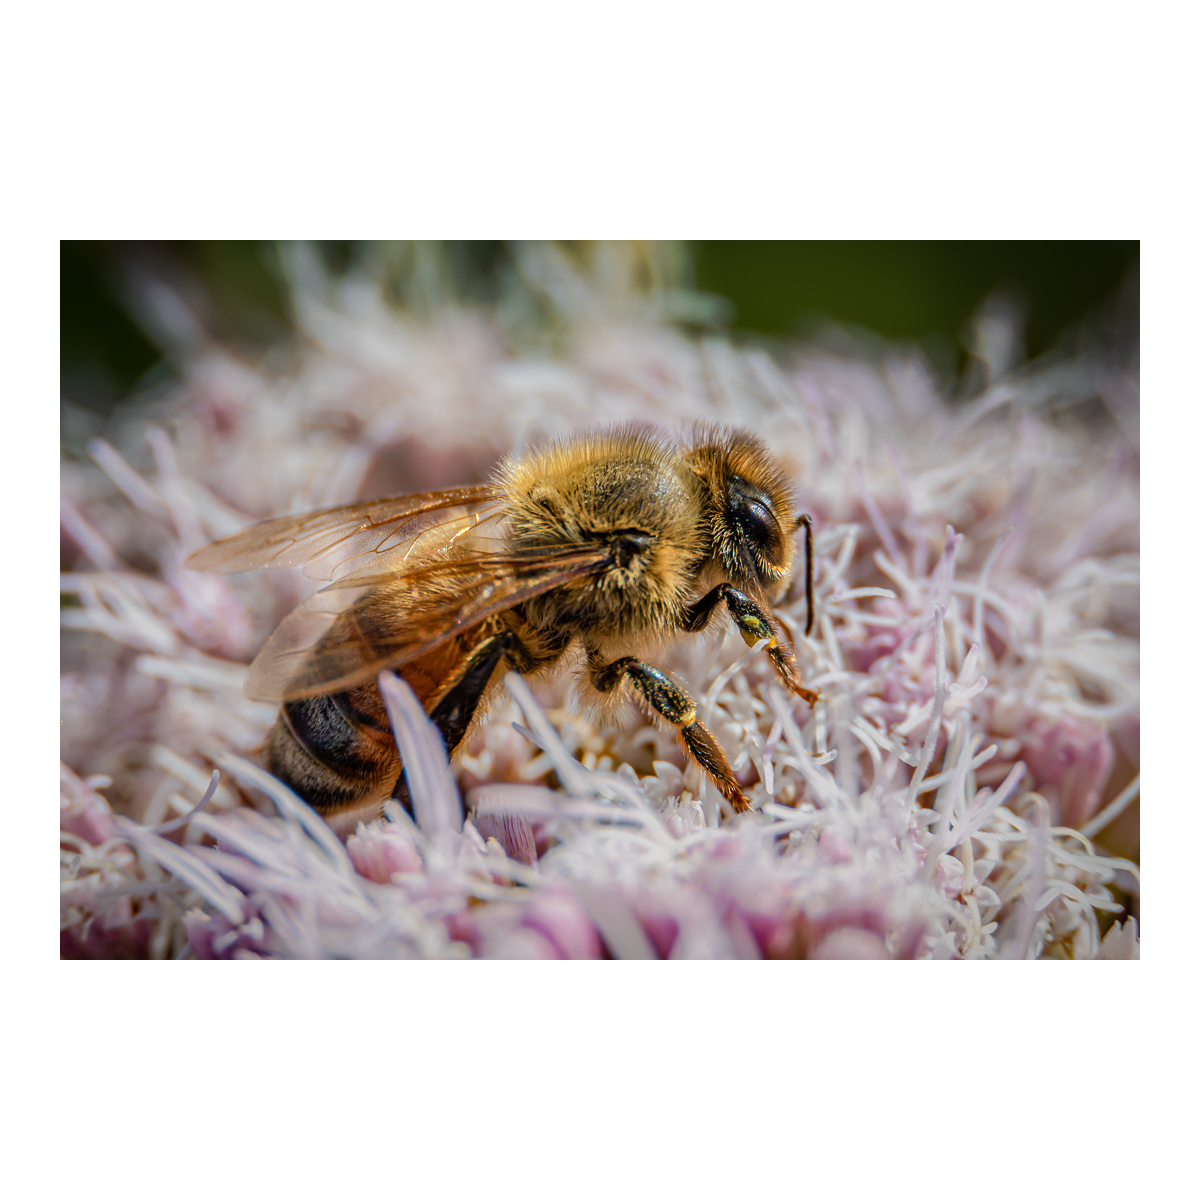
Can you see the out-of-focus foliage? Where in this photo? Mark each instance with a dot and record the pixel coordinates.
(917, 290)
(923, 291)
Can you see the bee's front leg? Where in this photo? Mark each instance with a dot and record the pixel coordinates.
(754, 623)
(674, 705)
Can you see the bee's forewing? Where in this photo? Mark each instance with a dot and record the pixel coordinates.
(350, 631)
(283, 657)
(374, 535)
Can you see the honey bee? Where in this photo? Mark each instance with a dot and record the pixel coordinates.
(613, 540)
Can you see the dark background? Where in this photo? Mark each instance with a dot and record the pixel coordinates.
(920, 291)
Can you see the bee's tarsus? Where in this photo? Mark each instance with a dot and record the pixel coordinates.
(754, 623)
(704, 748)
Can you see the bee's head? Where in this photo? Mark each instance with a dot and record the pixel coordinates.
(749, 508)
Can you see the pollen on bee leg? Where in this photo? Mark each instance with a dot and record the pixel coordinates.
(754, 638)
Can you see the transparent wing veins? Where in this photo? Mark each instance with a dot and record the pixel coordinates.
(334, 541)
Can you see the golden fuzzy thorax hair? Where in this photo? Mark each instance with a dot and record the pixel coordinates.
(591, 487)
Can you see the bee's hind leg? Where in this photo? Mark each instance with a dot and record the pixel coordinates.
(455, 711)
(673, 704)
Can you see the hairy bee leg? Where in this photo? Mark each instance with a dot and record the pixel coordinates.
(673, 704)
(754, 624)
(703, 747)
(456, 709)
(784, 662)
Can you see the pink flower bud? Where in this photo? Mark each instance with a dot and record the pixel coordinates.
(381, 849)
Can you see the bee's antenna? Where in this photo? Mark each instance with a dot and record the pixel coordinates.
(806, 521)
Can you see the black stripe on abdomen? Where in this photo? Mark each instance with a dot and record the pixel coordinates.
(322, 729)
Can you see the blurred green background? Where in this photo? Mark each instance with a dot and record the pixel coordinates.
(920, 291)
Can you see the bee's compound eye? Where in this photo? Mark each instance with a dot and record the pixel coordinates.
(751, 512)
(757, 523)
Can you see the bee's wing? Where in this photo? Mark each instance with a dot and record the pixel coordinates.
(350, 631)
(374, 536)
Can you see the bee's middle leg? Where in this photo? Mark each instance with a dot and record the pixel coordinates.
(673, 704)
